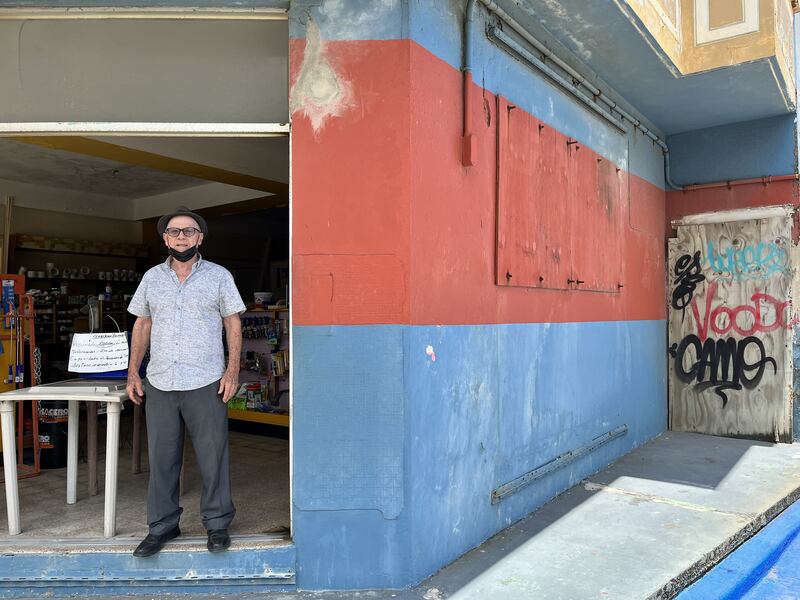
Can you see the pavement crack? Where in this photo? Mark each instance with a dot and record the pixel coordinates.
(599, 487)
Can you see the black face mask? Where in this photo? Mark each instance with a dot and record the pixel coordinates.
(184, 256)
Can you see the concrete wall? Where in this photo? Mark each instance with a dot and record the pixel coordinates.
(162, 71)
(424, 385)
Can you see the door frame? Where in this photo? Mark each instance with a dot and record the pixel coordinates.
(172, 129)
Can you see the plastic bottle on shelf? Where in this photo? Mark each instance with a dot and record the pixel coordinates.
(107, 296)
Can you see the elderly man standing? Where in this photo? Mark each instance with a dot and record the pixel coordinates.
(180, 307)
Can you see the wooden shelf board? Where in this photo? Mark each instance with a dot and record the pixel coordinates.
(51, 251)
(259, 417)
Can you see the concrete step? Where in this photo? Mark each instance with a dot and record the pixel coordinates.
(102, 567)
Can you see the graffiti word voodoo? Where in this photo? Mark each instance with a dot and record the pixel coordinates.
(766, 314)
(721, 363)
(752, 261)
(687, 276)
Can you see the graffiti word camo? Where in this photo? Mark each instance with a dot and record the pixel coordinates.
(745, 319)
(687, 276)
(721, 363)
(753, 261)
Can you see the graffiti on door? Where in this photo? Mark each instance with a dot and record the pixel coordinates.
(688, 274)
(752, 261)
(731, 320)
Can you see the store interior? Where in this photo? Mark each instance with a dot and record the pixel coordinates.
(80, 225)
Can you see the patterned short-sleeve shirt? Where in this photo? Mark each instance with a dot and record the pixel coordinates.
(186, 336)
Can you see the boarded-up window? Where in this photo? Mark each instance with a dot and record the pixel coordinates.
(559, 210)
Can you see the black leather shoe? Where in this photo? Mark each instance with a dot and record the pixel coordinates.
(152, 544)
(218, 540)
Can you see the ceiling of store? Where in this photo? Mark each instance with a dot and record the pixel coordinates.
(67, 170)
(135, 177)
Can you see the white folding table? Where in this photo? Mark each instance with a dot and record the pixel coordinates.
(111, 391)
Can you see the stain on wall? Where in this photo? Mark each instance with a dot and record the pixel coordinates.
(319, 92)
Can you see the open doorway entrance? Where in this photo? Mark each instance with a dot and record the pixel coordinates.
(153, 134)
(83, 227)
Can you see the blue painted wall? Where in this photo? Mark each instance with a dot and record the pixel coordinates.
(738, 151)
(349, 485)
(498, 401)
(501, 400)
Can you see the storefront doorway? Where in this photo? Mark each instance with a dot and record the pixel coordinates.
(109, 139)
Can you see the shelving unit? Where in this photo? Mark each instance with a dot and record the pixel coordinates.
(277, 386)
(55, 310)
(16, 348)
(51, 317)
(254, 416)
(71, 246)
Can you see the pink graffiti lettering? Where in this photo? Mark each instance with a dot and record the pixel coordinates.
(723, 319)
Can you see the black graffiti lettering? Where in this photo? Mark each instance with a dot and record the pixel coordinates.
(721, 364)
(759, 366)
(687, 275)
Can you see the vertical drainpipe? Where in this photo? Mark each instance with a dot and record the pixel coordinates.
(467, 139)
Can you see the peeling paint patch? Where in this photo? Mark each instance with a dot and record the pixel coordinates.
(561, 13)
(361, 19)
(319, 91)
(433, 594)
(429, 351)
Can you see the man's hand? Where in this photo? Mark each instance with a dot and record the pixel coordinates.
(134, 388)
(228, 385)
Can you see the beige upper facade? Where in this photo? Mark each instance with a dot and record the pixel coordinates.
(700, 35)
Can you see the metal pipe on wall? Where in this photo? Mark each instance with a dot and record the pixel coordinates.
(765, 181)
(511, 44)
(467, 158)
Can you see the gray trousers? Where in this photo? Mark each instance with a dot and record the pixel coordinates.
(206, 419)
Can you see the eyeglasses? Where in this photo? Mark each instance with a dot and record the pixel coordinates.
(176, 231)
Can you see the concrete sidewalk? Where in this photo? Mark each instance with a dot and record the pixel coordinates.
(645, 527)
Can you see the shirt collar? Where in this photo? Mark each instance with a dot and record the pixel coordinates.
(168, 263)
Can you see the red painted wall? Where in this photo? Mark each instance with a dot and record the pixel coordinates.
(389, 227)
(351, 192)
(453, 224)
(680, 204)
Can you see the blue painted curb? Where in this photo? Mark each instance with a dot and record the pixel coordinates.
(747, 565)
(95, 573)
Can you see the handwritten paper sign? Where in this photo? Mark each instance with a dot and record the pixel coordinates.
(98, 352)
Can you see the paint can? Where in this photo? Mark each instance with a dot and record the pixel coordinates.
(53, 421)
(254, 395)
